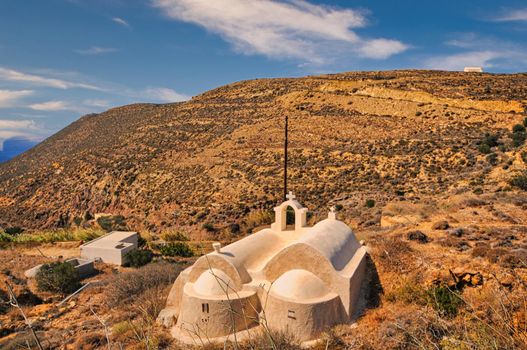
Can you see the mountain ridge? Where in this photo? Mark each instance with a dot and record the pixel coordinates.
(214, 159)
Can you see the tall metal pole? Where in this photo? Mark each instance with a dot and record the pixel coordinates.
(285, 158)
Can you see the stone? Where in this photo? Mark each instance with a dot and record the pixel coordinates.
(456, 232)
(32, 272)
(418, 236)
(440, 225)
(167, 317)
(507, 281)
(464, 278)
(476, 280)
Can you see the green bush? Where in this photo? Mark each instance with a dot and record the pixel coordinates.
(110, 223)
(141, 242)
(370, 203)
(88, 216)
(234, 228)
(4, 237)
(445, 301)
(176, 249)
(77, 220)
(208, 227)
(58, 277)
(15, 230)
(137, 258)
(519, 181)
(491, 140)
(524, 157)
(488, 142)
(492, 158)
(518, 128)
(175, 236)
(525, 122)
(484, 148)
(518, 138)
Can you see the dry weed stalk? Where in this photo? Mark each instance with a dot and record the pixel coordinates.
(14, 303)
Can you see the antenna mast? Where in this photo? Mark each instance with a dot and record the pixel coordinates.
(285, 157)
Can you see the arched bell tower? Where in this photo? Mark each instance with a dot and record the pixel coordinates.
(280, 213)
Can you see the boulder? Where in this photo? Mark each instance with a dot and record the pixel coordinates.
(456, 232)
(32, 272)
(417, 236)
(441, 225)
(463, 278)
(167, 317)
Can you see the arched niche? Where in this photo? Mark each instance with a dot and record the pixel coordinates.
(280, 212)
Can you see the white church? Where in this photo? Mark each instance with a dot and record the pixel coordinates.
(299, 280)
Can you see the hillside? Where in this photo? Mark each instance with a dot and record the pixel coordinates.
(384, 136)
(419, 163)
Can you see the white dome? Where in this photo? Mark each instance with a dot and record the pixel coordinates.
(299, 284)
(214, 282)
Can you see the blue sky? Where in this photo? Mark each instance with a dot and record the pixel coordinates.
(60, 59)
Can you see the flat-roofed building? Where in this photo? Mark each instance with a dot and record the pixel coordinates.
(110, 248)
(473, 70)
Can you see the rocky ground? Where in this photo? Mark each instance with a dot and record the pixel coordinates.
(451, 273)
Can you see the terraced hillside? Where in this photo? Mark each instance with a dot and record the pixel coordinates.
(217, 158)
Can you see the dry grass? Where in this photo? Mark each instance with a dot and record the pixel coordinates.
(392, 252)
(58, 236)
(258, 218)
(129, 285)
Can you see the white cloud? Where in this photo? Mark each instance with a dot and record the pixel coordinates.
(121, 21)
(18, 128)
(6, 124)
(9, 98)
(53, 106)
(513, 16)
(283, 29)
(34, 79)
(96, 50)
(164, 95)
(382, 48)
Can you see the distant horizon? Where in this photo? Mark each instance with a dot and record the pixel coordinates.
(61, 59)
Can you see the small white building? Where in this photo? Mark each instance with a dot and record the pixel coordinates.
(110, 248)
(473, 70)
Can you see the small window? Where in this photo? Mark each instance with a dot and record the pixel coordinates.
(291, 314)
(205, 308)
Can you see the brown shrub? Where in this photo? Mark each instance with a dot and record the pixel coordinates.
(90, 341)
(392, 252)
(514, 260)
(408, 291)
(258, 218)
(491, 254)
(271, 340)
(122, 288)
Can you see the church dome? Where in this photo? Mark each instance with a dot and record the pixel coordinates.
(299, 285)
(214, 282)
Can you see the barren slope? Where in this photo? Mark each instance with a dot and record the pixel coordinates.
(354, 136)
